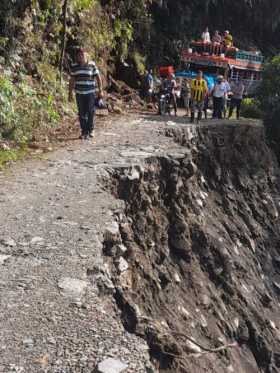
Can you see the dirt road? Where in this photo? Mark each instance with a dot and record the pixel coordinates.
(56, 315)
(57, 310)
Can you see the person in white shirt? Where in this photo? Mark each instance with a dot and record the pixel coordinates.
(219, 92)
(206, 36)
(225, 101)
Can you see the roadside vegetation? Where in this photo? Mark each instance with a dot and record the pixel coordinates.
(250, 108)
(269, 96)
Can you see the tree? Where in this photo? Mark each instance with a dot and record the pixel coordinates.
(269, 95)
(63, 43)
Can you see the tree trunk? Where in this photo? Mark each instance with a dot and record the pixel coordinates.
(63, 41)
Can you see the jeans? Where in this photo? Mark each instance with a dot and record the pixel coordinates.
(217, 107)
(174, 102)
(196, 105)
(86, 108)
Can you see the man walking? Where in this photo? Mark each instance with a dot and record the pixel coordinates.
(236, 100)
(199, 90)
(84, 75)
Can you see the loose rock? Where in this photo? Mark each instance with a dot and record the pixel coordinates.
(111, 366)
(72, 288)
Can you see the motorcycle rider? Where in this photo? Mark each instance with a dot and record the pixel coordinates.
(169, 86)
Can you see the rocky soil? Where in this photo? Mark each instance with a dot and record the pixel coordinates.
(200, 243)
(58, 313)
(158, 241)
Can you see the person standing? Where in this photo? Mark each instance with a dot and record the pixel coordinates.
(228, 39)
(237, 96)
(219, 93)
(199, 90)
(186, 94)
(84, 75)
(206, 40)
(170, 86)
(226, 98)
(206, 36)
(149, 86)
(216, 43)
(206, 105)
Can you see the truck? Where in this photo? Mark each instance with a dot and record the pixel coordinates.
(230, 62)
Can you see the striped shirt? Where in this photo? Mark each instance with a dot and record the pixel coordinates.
(84, 77)
(198, 89)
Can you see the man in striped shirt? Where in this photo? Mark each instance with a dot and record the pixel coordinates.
(199, 90)
(84, 75)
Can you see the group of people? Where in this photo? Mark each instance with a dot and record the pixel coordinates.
(218, 41)
(196, 96)
(85, 79)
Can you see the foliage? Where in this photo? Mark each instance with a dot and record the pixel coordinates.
(11, 155)
(269, 95)
(251, 108)
(94, 32)
(25, 107)
(123, 32)
(140, 63)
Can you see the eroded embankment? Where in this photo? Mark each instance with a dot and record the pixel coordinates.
(196, 258)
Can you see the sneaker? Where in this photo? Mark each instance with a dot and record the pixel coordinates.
(91, 134)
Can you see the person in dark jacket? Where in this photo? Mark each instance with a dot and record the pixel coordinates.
(237, 96)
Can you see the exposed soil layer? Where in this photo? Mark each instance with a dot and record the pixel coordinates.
(196, 260)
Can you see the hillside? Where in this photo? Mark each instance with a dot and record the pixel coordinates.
(151, 246)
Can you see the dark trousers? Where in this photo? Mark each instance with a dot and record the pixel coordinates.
(86, 108)
(217, 107)
(235, 103)
(174, 102)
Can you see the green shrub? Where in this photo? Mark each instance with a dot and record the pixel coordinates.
(251, 108)
(269, 96)
(11, 155)
(140, 62)
(25, 106)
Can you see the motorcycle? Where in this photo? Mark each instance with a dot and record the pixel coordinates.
(165, 104)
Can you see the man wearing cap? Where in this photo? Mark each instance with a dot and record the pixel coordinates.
(84, 75)
(219, 93)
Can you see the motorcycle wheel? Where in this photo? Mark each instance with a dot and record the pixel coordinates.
(162, 107)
